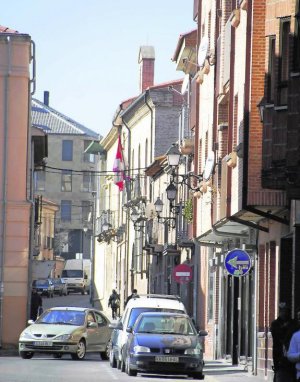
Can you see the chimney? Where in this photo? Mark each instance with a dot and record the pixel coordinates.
(46, 97)
(146, 62)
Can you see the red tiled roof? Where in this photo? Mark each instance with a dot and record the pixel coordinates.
(7, 30)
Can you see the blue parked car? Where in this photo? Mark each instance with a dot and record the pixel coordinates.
(44, 286)
(164, 343)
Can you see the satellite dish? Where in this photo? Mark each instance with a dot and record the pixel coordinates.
(150, 211)
(203, 50)
(209, 166)
(185, 83)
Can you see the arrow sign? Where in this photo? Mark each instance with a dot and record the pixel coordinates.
(237, 262)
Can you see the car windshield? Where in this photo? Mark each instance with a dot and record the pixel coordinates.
(165, 324)
(135, 312)
(62, 317)
(40, 282)
(72, 273)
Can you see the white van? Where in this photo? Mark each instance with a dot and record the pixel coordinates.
(134, 307)
(76, 274)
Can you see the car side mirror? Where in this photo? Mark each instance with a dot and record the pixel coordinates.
(202, 333)
(129, 329)
(92, 324)
(30, 322)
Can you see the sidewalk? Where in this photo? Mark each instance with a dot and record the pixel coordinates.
(223, 371)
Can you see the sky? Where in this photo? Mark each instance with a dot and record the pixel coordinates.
(87, 51)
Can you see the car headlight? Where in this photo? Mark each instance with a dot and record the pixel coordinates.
(64, 337)
(141, 349)
(25, 335)
(193, 351)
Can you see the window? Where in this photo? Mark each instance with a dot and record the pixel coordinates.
(67, 150)
(66, 210)
(66, 180)
(89, 158)
(271, 79)
(88, 182)
(86, 210)
(297, 44)
(40, 179)
(284, 61)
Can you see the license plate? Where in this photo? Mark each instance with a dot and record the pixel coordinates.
(43, 343)
(166, 359)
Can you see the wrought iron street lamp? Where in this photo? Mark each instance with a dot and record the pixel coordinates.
(171, 221)
(173, 158)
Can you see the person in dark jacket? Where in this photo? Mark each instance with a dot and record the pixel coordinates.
(114, 303)
(133, 294)
(36, 304)
(282, 330)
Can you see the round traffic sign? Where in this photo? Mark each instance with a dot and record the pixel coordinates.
(182, 273)
(237, 262)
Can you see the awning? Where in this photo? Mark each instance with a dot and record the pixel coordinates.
(222, 231)
(94, 148)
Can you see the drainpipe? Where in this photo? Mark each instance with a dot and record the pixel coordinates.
(4, 181)
(151, 111)
(197, 286)
(30, 197)
(245, 160)
(231, 113)
(127, 249)
(150, 161)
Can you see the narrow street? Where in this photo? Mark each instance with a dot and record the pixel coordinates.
(47, 369)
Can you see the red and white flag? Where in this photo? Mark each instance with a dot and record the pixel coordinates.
(118, 167)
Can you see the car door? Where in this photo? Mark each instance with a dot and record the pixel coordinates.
(103, 332)
(92, 332)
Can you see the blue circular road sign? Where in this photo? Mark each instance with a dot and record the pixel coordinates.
(237, 262)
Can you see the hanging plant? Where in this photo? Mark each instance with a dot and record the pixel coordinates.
(188, 211)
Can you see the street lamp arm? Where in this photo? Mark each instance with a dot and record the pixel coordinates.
(186, 179)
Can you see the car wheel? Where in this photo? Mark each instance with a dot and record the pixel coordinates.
(130, 372)
(57, 355)
(26, 354)
(105, 355)
(81, 350)
(112, 360)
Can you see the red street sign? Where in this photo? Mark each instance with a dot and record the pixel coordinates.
(182, 274)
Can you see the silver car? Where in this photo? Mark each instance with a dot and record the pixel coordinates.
(71, 330)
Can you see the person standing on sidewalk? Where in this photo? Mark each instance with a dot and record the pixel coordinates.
(114, 303)
(282, 329)
(36, 304)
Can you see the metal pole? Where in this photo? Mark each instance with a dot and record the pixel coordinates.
(92, 287)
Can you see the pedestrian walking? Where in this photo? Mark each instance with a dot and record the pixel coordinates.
(36, 304)
(293, 353)
(282, 329)
(133, 294)
(114, 303)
